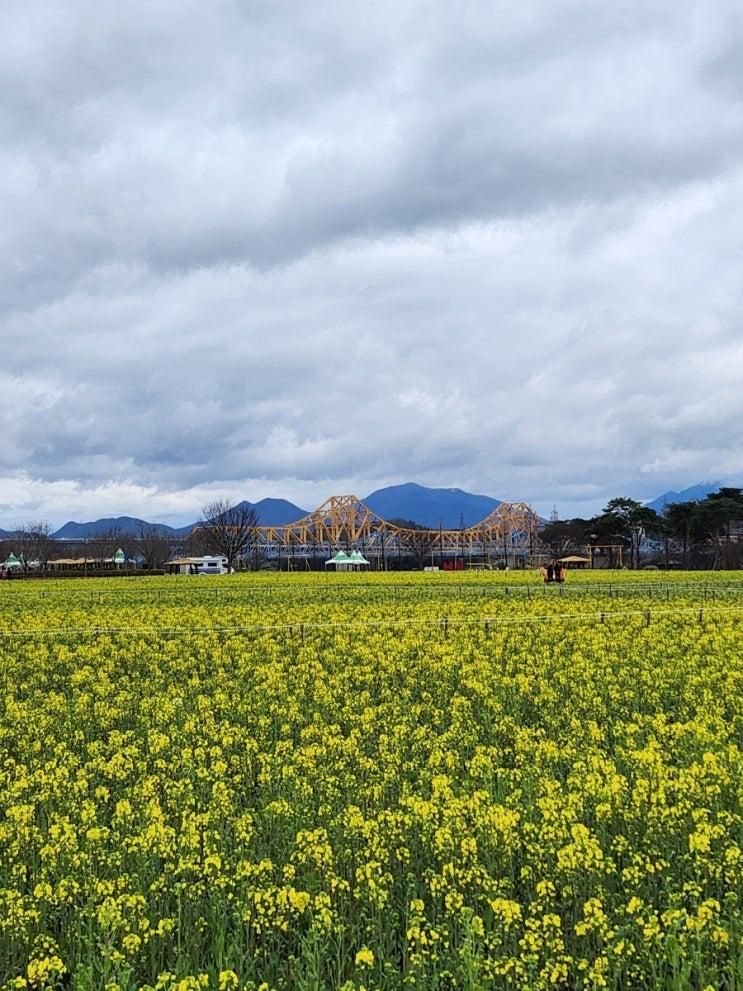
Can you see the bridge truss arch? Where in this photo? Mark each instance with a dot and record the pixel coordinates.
(509, 534)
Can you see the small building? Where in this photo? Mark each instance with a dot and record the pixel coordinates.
(574, 561)
(11, 566)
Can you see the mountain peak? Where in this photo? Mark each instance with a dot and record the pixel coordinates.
(275, 512)
(430, 507)
(690, 494)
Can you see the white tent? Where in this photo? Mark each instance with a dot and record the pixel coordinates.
(341, 560)
(358, 560)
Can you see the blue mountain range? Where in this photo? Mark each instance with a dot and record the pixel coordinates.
(690, 494)
(271, 512)
(449, 508)
(430, 507)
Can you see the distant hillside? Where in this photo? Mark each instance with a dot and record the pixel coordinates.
(271, 512)
(276, 512)
(698, 491)
(430, 507)
(128, 525)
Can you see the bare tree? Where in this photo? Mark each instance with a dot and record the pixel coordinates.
(256, 557)
(34, 543)
(197, 542)
(562, 537)
(102, 546)
(153, 545)
(228, 530)
(24, 545)
(44, 542)
(416, 541)
(129, 544)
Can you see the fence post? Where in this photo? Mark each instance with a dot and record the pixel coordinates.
(647, 617)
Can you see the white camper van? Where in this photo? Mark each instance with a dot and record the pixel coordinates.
(211, 565)
(207, 565)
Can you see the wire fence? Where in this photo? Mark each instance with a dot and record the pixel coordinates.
(463, 590)
(443, 624)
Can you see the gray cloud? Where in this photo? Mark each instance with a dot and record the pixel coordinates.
(251, 250)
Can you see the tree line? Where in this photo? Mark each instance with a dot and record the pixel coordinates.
(704, 533)
(36, 549)
(223, 530)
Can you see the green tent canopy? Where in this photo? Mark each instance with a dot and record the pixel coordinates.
(345, 562)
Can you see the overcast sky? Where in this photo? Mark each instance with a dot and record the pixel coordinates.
(271, 248)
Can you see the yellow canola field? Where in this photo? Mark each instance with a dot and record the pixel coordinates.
(378, 781)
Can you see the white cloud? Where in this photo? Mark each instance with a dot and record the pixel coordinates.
(262, 252)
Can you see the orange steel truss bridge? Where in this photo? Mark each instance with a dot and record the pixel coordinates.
(507, 534)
